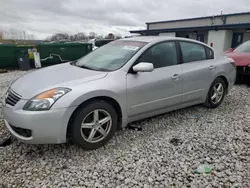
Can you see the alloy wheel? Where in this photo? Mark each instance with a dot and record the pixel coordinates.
(96, 126)
(217, 93)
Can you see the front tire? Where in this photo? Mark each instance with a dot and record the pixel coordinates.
(93, 125)
(216, 93)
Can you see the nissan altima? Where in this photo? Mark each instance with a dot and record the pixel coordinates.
(87, 100)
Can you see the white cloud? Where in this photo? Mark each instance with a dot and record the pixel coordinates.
(45, 17)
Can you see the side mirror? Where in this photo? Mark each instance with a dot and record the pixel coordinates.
(143, 67)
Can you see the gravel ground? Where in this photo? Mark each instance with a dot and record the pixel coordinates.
(164, 154)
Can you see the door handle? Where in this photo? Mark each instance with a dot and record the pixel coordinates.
(212, 67)
(175, 76)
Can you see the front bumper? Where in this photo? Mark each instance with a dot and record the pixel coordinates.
(41, 127)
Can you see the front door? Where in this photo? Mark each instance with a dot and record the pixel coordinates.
(237, 39)
(197, 71)
(159, 89)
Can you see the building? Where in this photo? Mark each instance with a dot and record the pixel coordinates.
(221, 32)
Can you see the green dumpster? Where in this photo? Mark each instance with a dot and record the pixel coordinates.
(50, 54)
(8, 56)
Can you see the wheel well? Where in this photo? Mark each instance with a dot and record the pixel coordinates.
(225, 80)
(109, 100)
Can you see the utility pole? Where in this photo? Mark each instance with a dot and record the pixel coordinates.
(24, 35)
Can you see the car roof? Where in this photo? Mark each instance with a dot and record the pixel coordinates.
(150, 39)
(147, 38)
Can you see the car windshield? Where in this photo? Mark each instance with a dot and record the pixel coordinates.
(244, 48)
(111, 56)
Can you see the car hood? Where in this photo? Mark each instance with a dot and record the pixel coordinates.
(63, 75)
(241, 59)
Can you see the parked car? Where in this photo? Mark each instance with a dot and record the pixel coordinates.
(85, 101)
(241, 56)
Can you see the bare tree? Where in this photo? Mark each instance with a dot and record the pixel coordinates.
(118, 37)
(80, 36)
(31, 37)
(110, 36)
(1, 35)
(92, 35)
(47, 39)
(100, 37)
(59, 37)
(12, 34)
(16, 34)
(72, 38)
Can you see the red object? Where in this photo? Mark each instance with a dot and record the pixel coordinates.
(241, 55)
(229, 50)
(241, 59)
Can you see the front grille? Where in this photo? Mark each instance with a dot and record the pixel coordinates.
(12, 98)
(23, 132)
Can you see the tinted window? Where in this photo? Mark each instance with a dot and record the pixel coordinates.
(192, 52)
(161, 55)
(210, 53)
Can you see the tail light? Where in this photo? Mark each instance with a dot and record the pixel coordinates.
(232, 62)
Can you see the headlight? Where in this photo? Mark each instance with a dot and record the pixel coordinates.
(45, 100)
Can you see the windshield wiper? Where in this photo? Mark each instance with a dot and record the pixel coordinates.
(73, 62)
(82, 66)
(95, 69)
(85, 67)
(102, 69)
(89, 68)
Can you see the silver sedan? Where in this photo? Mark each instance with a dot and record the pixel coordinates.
(87, 100)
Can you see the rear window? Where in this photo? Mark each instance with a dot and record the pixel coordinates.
(192, 52)
(210, 53)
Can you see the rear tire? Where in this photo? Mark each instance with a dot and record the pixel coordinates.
(93, 125)
(216, 93)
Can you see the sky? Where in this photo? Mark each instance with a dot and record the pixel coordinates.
(43, 18)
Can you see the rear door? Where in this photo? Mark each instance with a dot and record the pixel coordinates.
(198, 69)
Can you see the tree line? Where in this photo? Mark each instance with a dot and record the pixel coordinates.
(80, 37)
(16, 34)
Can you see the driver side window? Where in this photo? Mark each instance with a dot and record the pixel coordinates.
(160, 55)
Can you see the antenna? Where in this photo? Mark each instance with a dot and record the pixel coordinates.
(221, 11)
